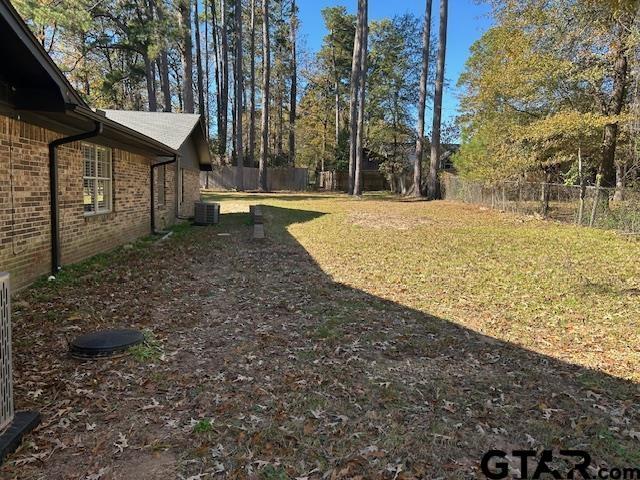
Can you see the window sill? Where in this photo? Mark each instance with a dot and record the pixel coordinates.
(95, 217)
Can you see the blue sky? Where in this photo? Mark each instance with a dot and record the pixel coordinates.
(467, 22)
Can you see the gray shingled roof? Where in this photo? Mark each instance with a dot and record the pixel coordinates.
(172, 129)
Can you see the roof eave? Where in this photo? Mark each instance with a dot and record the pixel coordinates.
(22, 30)
(159, 148)
(203, 139)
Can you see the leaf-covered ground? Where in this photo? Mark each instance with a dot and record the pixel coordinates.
(363, 338)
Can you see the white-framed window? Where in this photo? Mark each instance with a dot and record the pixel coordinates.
(97, 180)
(161, 172)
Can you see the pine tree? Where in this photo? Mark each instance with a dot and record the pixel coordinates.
(432, 185)
(422, 100)
(266, 79)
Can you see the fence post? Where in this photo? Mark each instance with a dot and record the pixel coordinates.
(545, 199)
(594, 210)
(583, 192)
(519, 192)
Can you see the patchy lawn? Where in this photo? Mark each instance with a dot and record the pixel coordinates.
(362, 337)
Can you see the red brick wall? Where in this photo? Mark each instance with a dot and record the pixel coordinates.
(24, 203)
(166, 213)
(191, 187)
(24, 200)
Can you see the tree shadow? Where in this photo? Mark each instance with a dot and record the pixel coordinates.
(300, 375)
(454, 392)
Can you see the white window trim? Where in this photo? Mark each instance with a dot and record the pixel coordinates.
(96, 178)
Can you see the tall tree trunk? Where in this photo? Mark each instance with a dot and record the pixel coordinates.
(353, 100)
(146, 14)
(607, 167)
(207, 72)
(224, 68)
(545, 196)
(266, 74)
(196, 26)
(422, 100)
(149, 73)
(176, 69)
(163, 67)
(87, 83)
(232, 98)
(187, 56)
(217, 54)
(432, 184)
(233, 119)
(336, 81)
(325, 122)
(358, 184)
(621, 172)
(252, 87)
(280, 84)
(294, 87)
(239, 79)
(280, 125)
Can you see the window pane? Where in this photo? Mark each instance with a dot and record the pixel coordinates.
(97, 179)
(104, 163)
(89, 154)
(89, 196)
(104, 195)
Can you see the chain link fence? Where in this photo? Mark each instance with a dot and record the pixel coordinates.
(590, 206)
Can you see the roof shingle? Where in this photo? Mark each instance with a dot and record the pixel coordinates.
(169, 128)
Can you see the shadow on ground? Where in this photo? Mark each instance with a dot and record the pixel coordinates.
(259, 365)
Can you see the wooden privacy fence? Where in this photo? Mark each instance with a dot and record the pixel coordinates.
(373, 180)
(283, 178)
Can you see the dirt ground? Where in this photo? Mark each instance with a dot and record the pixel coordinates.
(259, 365)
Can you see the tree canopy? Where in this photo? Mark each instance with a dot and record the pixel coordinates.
(550, 77)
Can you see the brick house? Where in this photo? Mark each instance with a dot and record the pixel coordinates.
(73, 182)
(183, 132)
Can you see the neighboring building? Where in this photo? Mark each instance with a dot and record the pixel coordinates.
(375, 179)
(183, 132)
(73, 182)
(407, 151)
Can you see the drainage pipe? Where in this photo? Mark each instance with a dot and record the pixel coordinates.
(53, 190)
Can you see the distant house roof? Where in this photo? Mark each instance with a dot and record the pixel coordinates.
(172, 129)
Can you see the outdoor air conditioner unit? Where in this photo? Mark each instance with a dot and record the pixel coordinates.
(12, 425)
(207, 213)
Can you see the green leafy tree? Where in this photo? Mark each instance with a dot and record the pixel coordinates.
(394, 87)
(549, 79)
